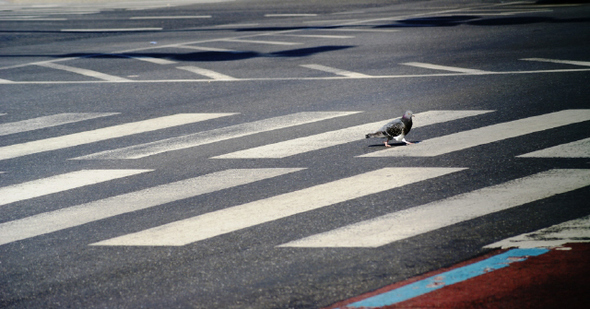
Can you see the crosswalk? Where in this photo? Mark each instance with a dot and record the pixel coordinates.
(371, 233)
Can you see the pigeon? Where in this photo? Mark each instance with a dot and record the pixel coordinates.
(396, 129)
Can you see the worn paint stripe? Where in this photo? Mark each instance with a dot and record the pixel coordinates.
(81, 214)
(259, 42)
(60, 183)
(579, 63)
(147, 59)
(573, 231)
(235, 218)
(447, 278)
(485, 135)
(170, 17)
(85, 72)
(338, 137)
(429, 217)
(114, 29)
(47, 122)
(577, 149)
(212, 136)
(443, 67)
(336, 71)
(207, 73)
(87, 137)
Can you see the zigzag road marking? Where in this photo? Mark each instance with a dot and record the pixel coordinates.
(485, 135)
(429, 217)
(239, 217)
(59, 183)
(212, 136)
(207, 73)
(85, 72)
(81, 214)
(336, 71)
(333, 138)
(87, 137)
(47, 121)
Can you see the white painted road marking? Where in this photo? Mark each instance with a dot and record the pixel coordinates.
(147, 59)
(87, 137)
(59, 183)
(481, 136)
(84, 72)
(290, 15)
(444, 68)
(170, 17)
(81, 214)
(259, 42)
(113, 29)
(336, 71)
(333, 138)
(239, 217)
(213, 49)
(212, 136)
(207, 73)
(319, 36)
(579, 63)
(47, 121)
(429, 217)
(577, 149)
(573, 231)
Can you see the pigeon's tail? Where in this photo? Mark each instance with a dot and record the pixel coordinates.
(376, 134)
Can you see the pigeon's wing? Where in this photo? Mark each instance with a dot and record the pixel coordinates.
(394, 128)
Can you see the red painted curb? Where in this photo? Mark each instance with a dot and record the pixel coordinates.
(557, 279)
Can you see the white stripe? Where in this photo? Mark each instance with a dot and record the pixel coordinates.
(320, 36)
(213, 49)
(170, 17)
(33, 19)
(81, 214)
(290, 15)
(84, 72)
(235, 218)
(5, 81)
(59, 183)
(467, 139)
(212, 136)
(87, 137)
(573, 231)
(444, 68)
(340, 72)
(113, 30)
(429, 217)
(207, 73)
(577, 149)
(338, 137)
(259, 42)
(580, 63)
(360, 30)
(47, 121)
(147, 59)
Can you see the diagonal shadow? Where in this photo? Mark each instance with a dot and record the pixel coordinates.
(204, 56)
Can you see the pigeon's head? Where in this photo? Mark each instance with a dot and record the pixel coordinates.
(408, 115)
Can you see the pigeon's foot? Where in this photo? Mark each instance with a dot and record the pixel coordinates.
(386, 144)
(409, 143)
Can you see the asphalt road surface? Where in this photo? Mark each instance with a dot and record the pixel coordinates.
(213, 154)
